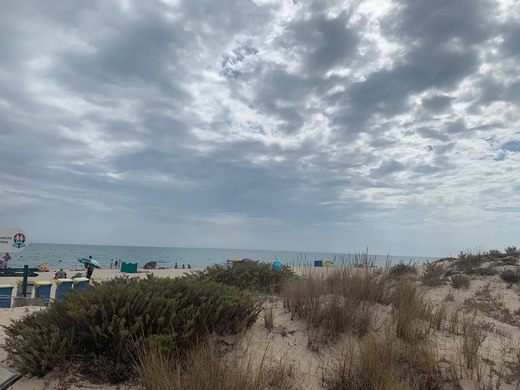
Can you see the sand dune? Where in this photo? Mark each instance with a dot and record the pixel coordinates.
(495, 305)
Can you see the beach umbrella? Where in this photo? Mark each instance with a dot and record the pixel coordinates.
(150, 265)
(89, 261)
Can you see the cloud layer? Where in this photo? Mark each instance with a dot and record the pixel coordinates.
(325, 126)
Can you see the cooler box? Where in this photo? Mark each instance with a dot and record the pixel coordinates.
(80, 283)
(63, 286)
(6, 292)
(130, 268)
(318, 263)
(42, 289)
(19, 290)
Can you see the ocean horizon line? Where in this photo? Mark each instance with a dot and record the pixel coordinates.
(364, 252)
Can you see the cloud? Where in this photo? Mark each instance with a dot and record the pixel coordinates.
(319, 125)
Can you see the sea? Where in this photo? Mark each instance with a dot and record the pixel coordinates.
(66, 256)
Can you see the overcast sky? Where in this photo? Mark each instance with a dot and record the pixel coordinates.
(270, 124)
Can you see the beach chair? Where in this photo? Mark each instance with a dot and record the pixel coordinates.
(63, 286)
(42, 289)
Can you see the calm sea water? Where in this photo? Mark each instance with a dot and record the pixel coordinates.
(65, 256)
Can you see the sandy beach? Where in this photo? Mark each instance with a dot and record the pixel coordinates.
(289, 339)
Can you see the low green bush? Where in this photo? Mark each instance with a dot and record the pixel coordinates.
(484, 271)
(258, 277)
(495, 254)
(433, 275)
(99, 327)
(460, 281)
(402, 269)
(469, 261)
(509, 260)
(510, 276)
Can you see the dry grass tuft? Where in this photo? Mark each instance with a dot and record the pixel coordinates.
(269, 318)
(205, 367)
(409, 309)
(384, 363)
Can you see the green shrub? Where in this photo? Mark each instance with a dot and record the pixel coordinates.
(510, 276)
(509, 261)
(258, 277)
(433, 275)
(469, 261)
(402, 269)
(100, 326)
(460, 281)
(485, 271)
(511, 250)
(495, 254)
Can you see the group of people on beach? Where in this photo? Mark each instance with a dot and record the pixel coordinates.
(176, 266)
(4, 260)
(61, 274)
(115, 264)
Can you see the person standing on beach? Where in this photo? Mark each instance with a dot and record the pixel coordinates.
(5, 259)
(90, 270)
(89, 267)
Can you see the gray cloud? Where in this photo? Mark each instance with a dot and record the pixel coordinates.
(437, 103)
(306, 126)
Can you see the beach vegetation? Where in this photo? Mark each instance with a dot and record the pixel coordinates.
(483, 271)
(473, 336)
(409, 310)
(206, 366)
(433, 275)
(269, 318)
(468, 261)
(254, 276)
(510, 276)
(99, 327)
(437, 314)
(384, 363)
(336, 302)
(402, 269)
(460, 281)
(495, 254)
(509, 260)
